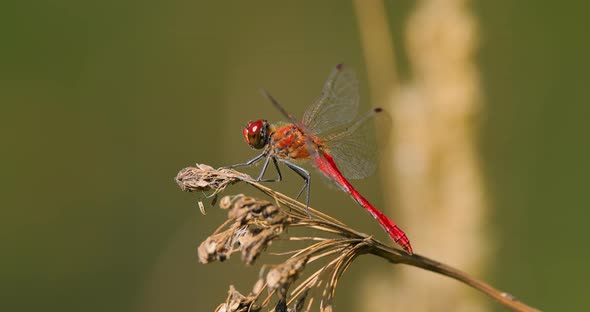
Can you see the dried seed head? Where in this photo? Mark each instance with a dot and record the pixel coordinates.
(284, 274)
(256, 224)
(251, 227)
(253, 243)
(227, 201)
(237, 302)
(205, 178)
(245, 209)
(217, 247)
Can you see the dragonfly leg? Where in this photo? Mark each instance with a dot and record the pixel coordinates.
(307, 177)
(265, 166)
(249, 162)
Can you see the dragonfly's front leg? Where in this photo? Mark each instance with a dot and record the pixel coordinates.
(249, 162)
(265, 166)
(307, 177)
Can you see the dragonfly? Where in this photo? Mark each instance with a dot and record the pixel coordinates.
(331, 136)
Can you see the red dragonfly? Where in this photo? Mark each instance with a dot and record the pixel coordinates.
(331, 136)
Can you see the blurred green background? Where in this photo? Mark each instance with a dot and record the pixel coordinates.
(103, 102)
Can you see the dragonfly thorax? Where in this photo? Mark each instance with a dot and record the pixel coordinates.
(256, 133)
(288, 141)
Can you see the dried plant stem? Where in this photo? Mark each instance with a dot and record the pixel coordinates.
(441, 268)
(255, 223)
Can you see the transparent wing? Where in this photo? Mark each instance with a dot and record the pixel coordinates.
(337, 104)
(354, 147)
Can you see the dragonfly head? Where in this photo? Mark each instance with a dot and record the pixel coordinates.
(256, 133)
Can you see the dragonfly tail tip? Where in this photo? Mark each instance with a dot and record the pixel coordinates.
(408, 248)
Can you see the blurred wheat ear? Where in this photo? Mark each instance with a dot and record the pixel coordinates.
(253, 224)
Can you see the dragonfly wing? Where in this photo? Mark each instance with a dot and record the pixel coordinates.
(356, 158)
(337, 104)
(353, 147)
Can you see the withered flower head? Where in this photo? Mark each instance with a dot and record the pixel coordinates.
(253, 224)
(237, 302)
(206, 178)
(284, 274)
(216, 247)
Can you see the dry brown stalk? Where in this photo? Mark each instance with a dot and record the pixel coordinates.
(253, 224)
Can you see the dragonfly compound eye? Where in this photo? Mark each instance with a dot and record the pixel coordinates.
(256, 133)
